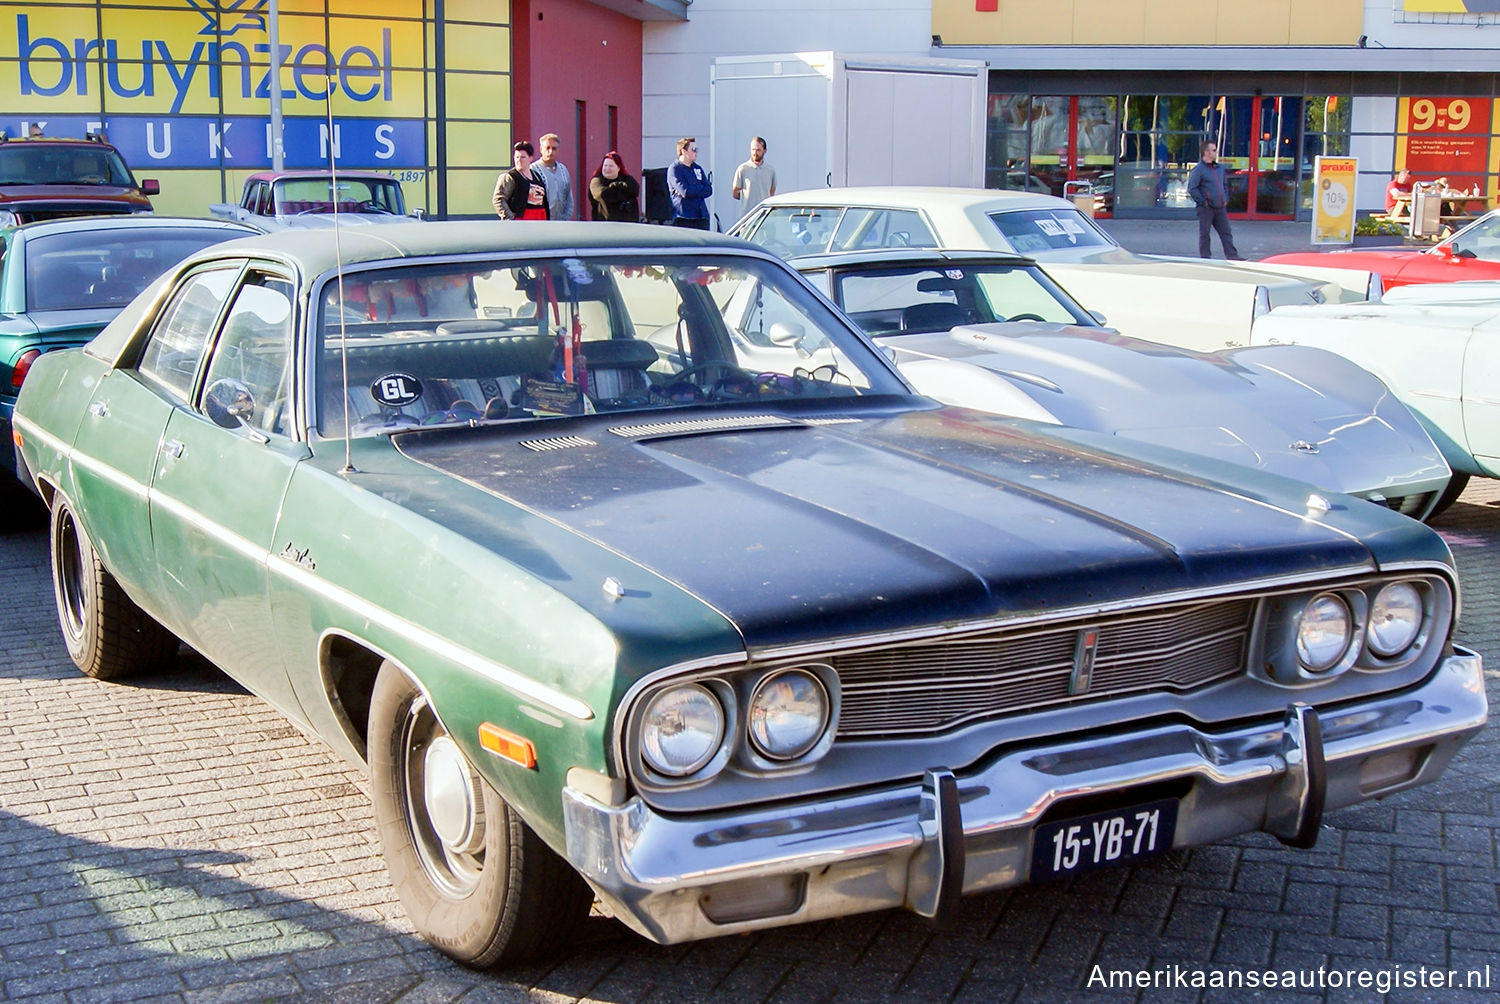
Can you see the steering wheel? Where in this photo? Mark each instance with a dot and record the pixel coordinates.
(375, 207)
(1027, 317)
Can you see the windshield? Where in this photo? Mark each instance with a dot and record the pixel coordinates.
(355, 195)
(63, 164)
(106, 267)
(1482, 239)
(912, 299)
(1037, 231)
(545, 338)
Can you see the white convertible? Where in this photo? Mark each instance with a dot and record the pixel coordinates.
(1197, 304)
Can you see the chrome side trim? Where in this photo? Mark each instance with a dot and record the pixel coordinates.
(435, 643)
(218, 531)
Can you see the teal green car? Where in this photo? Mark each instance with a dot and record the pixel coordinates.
(62, 281)
(713, 621)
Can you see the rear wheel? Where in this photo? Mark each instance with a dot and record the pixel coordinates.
(107, 635)
(1456, 486)
(474, 879)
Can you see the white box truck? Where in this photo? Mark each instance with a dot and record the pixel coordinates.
(831, 119)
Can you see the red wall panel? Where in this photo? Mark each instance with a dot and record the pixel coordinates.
(571, 51)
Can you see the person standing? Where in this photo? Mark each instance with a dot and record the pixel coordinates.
(613, 193)
(555, 174)
(754, 180)
(690, 188)
(520, 193)
(1210, 194)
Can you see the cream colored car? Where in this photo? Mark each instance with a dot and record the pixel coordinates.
(1194, 304)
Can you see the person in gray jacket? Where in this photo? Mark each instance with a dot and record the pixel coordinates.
(1209, 193)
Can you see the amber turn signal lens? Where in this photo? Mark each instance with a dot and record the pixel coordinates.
(507, 745)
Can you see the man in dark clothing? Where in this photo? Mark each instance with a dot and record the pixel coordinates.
(1209, 193)
(689, 186)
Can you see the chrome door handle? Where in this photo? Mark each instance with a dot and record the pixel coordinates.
(98, 409)
(173, 449)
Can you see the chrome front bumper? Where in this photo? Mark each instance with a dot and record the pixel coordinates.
(921, 845)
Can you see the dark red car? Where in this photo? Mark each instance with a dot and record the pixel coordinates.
(1472, 253)
(48, 179)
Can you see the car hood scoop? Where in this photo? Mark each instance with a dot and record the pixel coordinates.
(796, 531)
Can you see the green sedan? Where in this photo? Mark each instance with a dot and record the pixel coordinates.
(712, 621)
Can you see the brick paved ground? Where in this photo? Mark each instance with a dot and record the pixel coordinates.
(174, 839)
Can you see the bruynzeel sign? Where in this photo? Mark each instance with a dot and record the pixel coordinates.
(1333, 201)
(189, 86)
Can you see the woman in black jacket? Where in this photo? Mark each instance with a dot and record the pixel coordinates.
(521, 194)
(615, 195)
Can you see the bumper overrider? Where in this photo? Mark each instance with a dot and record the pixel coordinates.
(922, 845)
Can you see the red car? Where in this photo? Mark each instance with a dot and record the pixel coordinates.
(1472, 253)
(49, 179)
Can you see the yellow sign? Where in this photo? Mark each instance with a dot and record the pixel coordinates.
(1333, 206)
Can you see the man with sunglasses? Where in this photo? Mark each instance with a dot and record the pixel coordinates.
(689, 186)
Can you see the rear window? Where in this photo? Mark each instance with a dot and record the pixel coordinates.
(1035, 230)
(106, 268)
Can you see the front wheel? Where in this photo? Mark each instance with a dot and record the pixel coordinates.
(474, 879)
(107, 635)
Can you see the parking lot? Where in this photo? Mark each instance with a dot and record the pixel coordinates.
(173, 838)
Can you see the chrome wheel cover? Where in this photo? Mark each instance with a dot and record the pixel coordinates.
(444, 804)
(67, 577)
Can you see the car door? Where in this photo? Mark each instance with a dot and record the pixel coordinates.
(220, 477)
(1482, 394)
(115, 450)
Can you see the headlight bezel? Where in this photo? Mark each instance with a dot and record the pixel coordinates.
(749, 752)
(734, 689)
(1353, 634)
(1280, 662)
(1375, 659)
(708, 768)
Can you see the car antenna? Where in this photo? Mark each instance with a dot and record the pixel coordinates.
(338, 267)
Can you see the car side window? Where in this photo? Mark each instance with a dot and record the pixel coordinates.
(175, 345)
(249, 372)
(882, 228)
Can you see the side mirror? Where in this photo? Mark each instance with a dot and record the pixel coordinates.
(151, 186)
(1096, 315)
(1443, 250)
(418, 214)
(229, 403)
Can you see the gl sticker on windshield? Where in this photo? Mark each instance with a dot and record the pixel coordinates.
(396, 390)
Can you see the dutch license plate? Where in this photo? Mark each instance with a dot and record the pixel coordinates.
(1084, 843)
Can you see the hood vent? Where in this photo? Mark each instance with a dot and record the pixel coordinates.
(730, 423)
(556, 443)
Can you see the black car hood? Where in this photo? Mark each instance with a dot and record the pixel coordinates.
(799, 532)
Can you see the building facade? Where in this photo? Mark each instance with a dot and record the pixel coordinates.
(1121, 93)
(430, 91)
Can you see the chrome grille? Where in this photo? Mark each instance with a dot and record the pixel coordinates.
(931, 686)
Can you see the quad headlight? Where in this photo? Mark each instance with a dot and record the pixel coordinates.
(788, 714)
(682, 729)
(1324, 632)
(1395, 619)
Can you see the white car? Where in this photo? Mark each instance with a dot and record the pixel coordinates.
(1195, 304)
(993, 332)
(1436, 345)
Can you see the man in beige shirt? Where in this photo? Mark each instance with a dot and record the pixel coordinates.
(754, 180)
